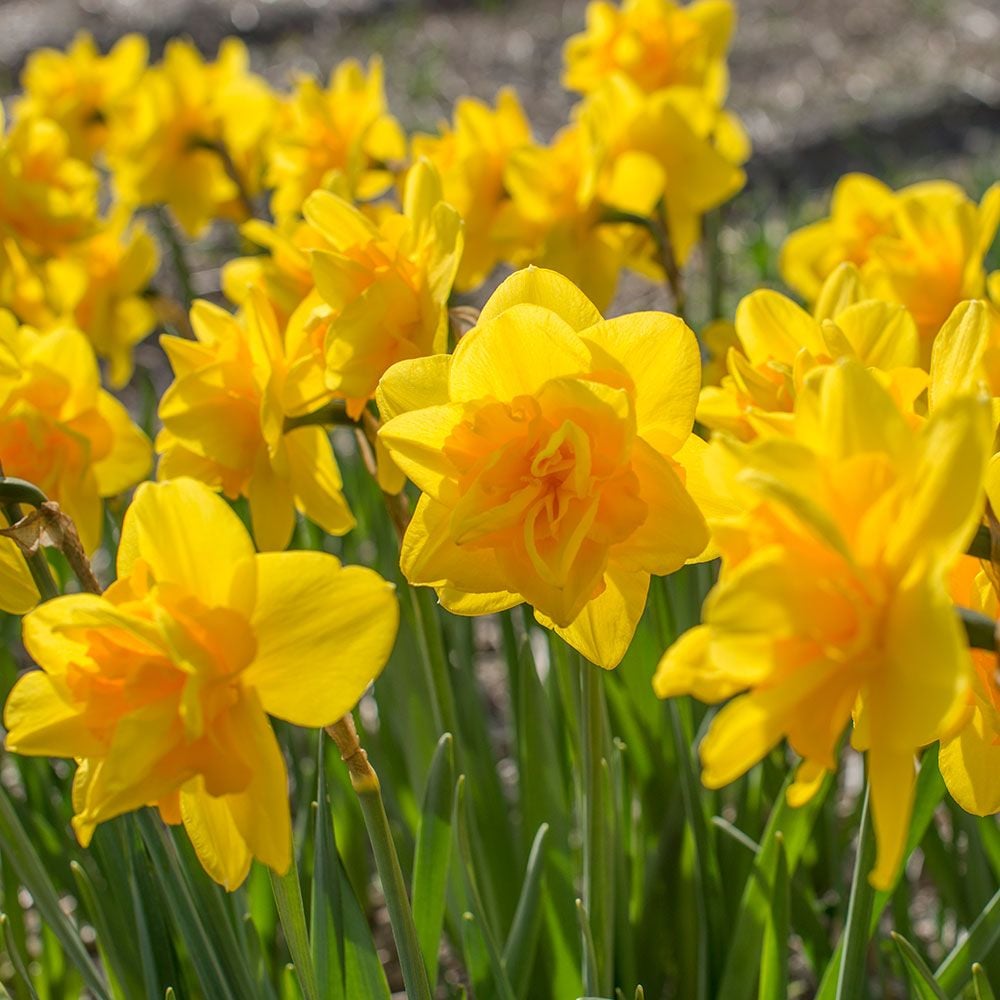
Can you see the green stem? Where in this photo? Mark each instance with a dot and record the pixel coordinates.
(435, 659)
(177, 255)
(714, 263)
(38, 564)
(596, 882)
(365, 782)
(288, 899)
(850, 982)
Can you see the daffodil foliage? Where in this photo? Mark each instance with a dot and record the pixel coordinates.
(414, 612)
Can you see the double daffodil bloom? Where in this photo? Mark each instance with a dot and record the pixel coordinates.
(655, 43)
(341, 139)
(546, 448)
(161, 688)
(60, 430)
(382, 291)
(779, 343)
(187, 129)
(833, 599)
(471, 157)
(224, 421)
(80, 89)
(922, 246)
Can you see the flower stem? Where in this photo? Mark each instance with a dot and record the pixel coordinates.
(597, 884)
(365, 782)
(177, 255)
(980, 629)
(714, 263)
(850, 981)
(334, 412)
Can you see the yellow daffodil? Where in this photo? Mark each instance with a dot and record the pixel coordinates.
(382, 291)
(557, 223)
(100, 285)
(341, 139)
(833, 599)
(471, 157)
(653, 148)
(161, 688)
(779, 342)
(282, 274)
(970, 758)
(191, 136)
(224, 421)
(966, 355)
(80, 89)
(48, 199)
(922, 246)
(656, 43)
(546, 449)
(60, 430)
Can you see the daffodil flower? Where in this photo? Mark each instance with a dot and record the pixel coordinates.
(161, 688)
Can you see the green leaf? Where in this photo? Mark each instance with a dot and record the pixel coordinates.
(326, 906)
(288, 898)
(363, 972)
(185, 913)
(519, 949)
(980, 984)
(954, 972)
(795, 826)
(589, 952)
(921, 978)
(15, 957)
(501, 983)
(857, 928)
(433, 854)
(774, 958)
(29, 868)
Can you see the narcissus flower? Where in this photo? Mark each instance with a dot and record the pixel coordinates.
(224, 421)
(60, 430)
(656, 43)
(546, 448)
(48, 198)
(382, 292)
(187, 128)
(80, 89)
(341, 139)
(471, 157)
(779, 343)
(922, 246)
(161, 687)
(833, 600)
(100, 285)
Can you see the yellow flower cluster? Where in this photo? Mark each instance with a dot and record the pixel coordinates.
(554, 451)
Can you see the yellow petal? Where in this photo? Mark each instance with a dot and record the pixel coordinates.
(891, 779)
(687, 668)
(548, 289)
(18, 593)
(315, 480)
(220, 847)
(413, 385)
(416, 441)
(187, 535)
(515, 354)
(41, 723)
(660, 354)
(272, 506)
(603, 631)
(970, 764)
(324, 633)
(772, 327)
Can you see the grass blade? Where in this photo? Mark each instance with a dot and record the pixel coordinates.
(292, 914)
(774, 957)
(519, 949)
(954, 972)
(857, 929)
(433, 854)
(920, 976)
(980, 984)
